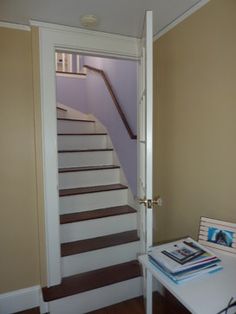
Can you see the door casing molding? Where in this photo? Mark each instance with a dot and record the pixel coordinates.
(52, 37)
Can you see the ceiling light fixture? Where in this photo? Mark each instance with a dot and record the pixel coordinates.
(89, 20)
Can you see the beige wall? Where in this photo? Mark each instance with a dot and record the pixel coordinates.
(195, 120)
(19, 240)
(195, 142)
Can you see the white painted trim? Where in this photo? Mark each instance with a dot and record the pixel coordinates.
(50, 163)
(149, 125)
(70, 29)
(52, 37)
(15, 26)
(23, 299)
(181, 18)
(92, 41)
(43, 305)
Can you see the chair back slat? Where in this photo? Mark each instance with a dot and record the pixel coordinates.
(218, 235)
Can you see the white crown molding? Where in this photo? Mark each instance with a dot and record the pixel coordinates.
(23, 299)
(15, 26)
(181, 18)
(64, 28)
(98, 42)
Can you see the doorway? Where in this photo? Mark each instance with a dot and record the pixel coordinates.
(65, 38)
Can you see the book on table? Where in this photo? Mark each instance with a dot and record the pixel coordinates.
(183, 259)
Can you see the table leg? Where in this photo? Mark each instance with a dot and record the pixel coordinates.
(148, 292)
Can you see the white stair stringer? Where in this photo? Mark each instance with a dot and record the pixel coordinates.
(98, 298)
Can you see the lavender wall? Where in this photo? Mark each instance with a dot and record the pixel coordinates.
(90, 95)
(123, 77)
(72, 92)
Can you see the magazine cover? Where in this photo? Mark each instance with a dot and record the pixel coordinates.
(184, 252)
(181, 255)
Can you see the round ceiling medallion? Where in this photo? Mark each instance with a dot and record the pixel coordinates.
(89, 20)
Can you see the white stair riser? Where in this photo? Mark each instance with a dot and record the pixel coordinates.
(65, 126)
(83, 159)
(89, 178)
(75, 264)
(97, 227)
(84, 202)
(82, 141)
(61, 113)
(97, 298)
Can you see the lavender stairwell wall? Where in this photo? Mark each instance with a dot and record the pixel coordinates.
(123, 77)
(72, 92)
(90, 95)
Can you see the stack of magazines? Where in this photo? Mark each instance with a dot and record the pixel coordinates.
(184, 259)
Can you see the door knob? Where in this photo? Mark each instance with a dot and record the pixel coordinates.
(143, 201)
(150, 203)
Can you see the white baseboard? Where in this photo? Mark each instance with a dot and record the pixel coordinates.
(23, 299)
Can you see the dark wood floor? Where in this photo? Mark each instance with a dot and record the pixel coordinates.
(161, 305)
(133, 306)
(30, 311)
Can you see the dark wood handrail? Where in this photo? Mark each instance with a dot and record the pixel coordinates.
(115, 100)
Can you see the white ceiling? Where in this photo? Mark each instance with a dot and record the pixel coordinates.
(123, 17)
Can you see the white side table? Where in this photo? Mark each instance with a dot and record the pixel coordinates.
(207, 294)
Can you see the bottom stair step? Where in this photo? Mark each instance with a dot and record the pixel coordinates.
(92, 280)
(98, 298)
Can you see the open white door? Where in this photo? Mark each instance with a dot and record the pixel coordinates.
(145, 151)
(145, 135)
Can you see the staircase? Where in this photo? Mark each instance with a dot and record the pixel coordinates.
(99, 239)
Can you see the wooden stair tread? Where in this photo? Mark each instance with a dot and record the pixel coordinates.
(88, 168)
(82, 246)
(91, 189)
(76, 134)
(35, 310)
(62, 109)
(73, 119)
(85, 150)
(96, 213)
(92, 280)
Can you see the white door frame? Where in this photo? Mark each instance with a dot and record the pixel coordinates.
(149, 125)
(51, 37)
(145, 134)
